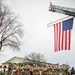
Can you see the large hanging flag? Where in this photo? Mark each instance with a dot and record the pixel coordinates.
(62, 35)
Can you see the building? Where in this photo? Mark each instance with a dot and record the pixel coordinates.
(20, 62)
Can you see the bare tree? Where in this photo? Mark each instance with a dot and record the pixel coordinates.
(36, 57)
(10, 29)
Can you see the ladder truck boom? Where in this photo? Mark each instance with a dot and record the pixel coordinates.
(62, 10)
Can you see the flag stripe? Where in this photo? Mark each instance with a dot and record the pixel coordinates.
(59, 35)
(69, 38)
(56, 27)
(55, 38)
(65, 40)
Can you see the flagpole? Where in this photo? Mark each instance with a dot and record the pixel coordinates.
(59, 20)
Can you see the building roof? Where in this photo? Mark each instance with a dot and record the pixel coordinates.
(16, 60)
(22, 61)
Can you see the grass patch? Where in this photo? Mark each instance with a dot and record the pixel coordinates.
(6, 73)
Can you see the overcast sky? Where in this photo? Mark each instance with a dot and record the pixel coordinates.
(34, 16)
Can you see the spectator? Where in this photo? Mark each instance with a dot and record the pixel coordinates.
(22, 73)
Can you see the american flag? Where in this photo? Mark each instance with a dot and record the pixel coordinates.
(62, 35)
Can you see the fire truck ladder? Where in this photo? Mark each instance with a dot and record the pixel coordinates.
(62, 10)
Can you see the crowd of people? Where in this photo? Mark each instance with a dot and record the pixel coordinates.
(27, 70)
(33, 70)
